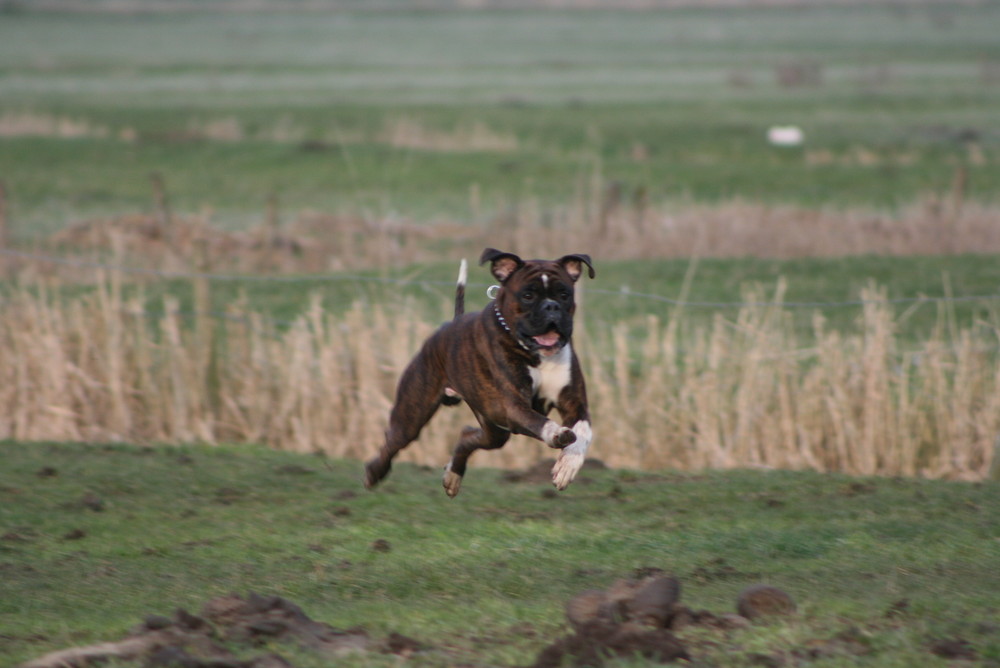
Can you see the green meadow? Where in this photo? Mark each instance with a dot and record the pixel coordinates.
(884, 572)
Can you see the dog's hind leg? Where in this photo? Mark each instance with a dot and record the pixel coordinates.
(472, 439)
(413, 409)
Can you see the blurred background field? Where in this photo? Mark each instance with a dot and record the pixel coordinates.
(192, 183)
(432, 112)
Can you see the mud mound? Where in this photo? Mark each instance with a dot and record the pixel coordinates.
(202, 641)
(759, 601)
(638, 617)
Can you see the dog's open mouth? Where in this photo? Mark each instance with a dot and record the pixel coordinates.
(548, 343)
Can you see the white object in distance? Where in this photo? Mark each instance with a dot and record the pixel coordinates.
(785, 135)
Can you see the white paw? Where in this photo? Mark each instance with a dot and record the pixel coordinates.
(567, 466)
(571, 458)
(556, 436)
(452, 482)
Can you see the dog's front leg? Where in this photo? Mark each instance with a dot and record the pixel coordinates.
(572, 406)
(521, 420)
(571, 457)
(529, 422)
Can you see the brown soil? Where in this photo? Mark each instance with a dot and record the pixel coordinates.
(202, 641)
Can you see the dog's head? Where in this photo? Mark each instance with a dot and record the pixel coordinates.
(537, 297)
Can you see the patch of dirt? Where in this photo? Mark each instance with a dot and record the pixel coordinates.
(595, 641)
(203, 640)
(954, 648)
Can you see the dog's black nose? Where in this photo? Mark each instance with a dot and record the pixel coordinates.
(550, 307)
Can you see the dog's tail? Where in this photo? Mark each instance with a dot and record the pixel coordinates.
(463, 276)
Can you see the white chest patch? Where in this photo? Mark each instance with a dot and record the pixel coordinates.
(553, 374)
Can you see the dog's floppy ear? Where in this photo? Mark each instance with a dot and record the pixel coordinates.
(504, 264)
(574, 265)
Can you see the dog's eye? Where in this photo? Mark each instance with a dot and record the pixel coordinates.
(528, 296)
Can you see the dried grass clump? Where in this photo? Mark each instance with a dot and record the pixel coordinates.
(622, 224)
(744, 392)
(405, 132)
(748, 393)
(34, 124)
(144, 240)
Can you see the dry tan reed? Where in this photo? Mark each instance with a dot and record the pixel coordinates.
(742, 392)
(30, 124)
(622, 225)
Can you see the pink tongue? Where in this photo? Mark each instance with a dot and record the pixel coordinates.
(548, 339)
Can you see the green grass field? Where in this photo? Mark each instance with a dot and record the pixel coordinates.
(95, 538)
(232, 107)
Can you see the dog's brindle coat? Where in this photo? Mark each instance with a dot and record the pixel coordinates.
(512, 363)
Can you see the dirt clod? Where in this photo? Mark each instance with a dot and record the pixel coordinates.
(598, 640)
(91, 501)
(156, 622)
(654, 601)
(954, 648)
(586, 607)
(758, 601)
(397, 643)
(629, 618)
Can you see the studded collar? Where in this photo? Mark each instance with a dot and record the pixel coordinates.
(503, 323)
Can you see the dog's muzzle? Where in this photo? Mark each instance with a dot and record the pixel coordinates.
(549, 329)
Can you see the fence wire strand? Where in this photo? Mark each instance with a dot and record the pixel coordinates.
(358, 278)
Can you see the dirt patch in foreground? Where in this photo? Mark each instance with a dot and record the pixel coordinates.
(200, 641)
(634, 617)
(640, 616)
